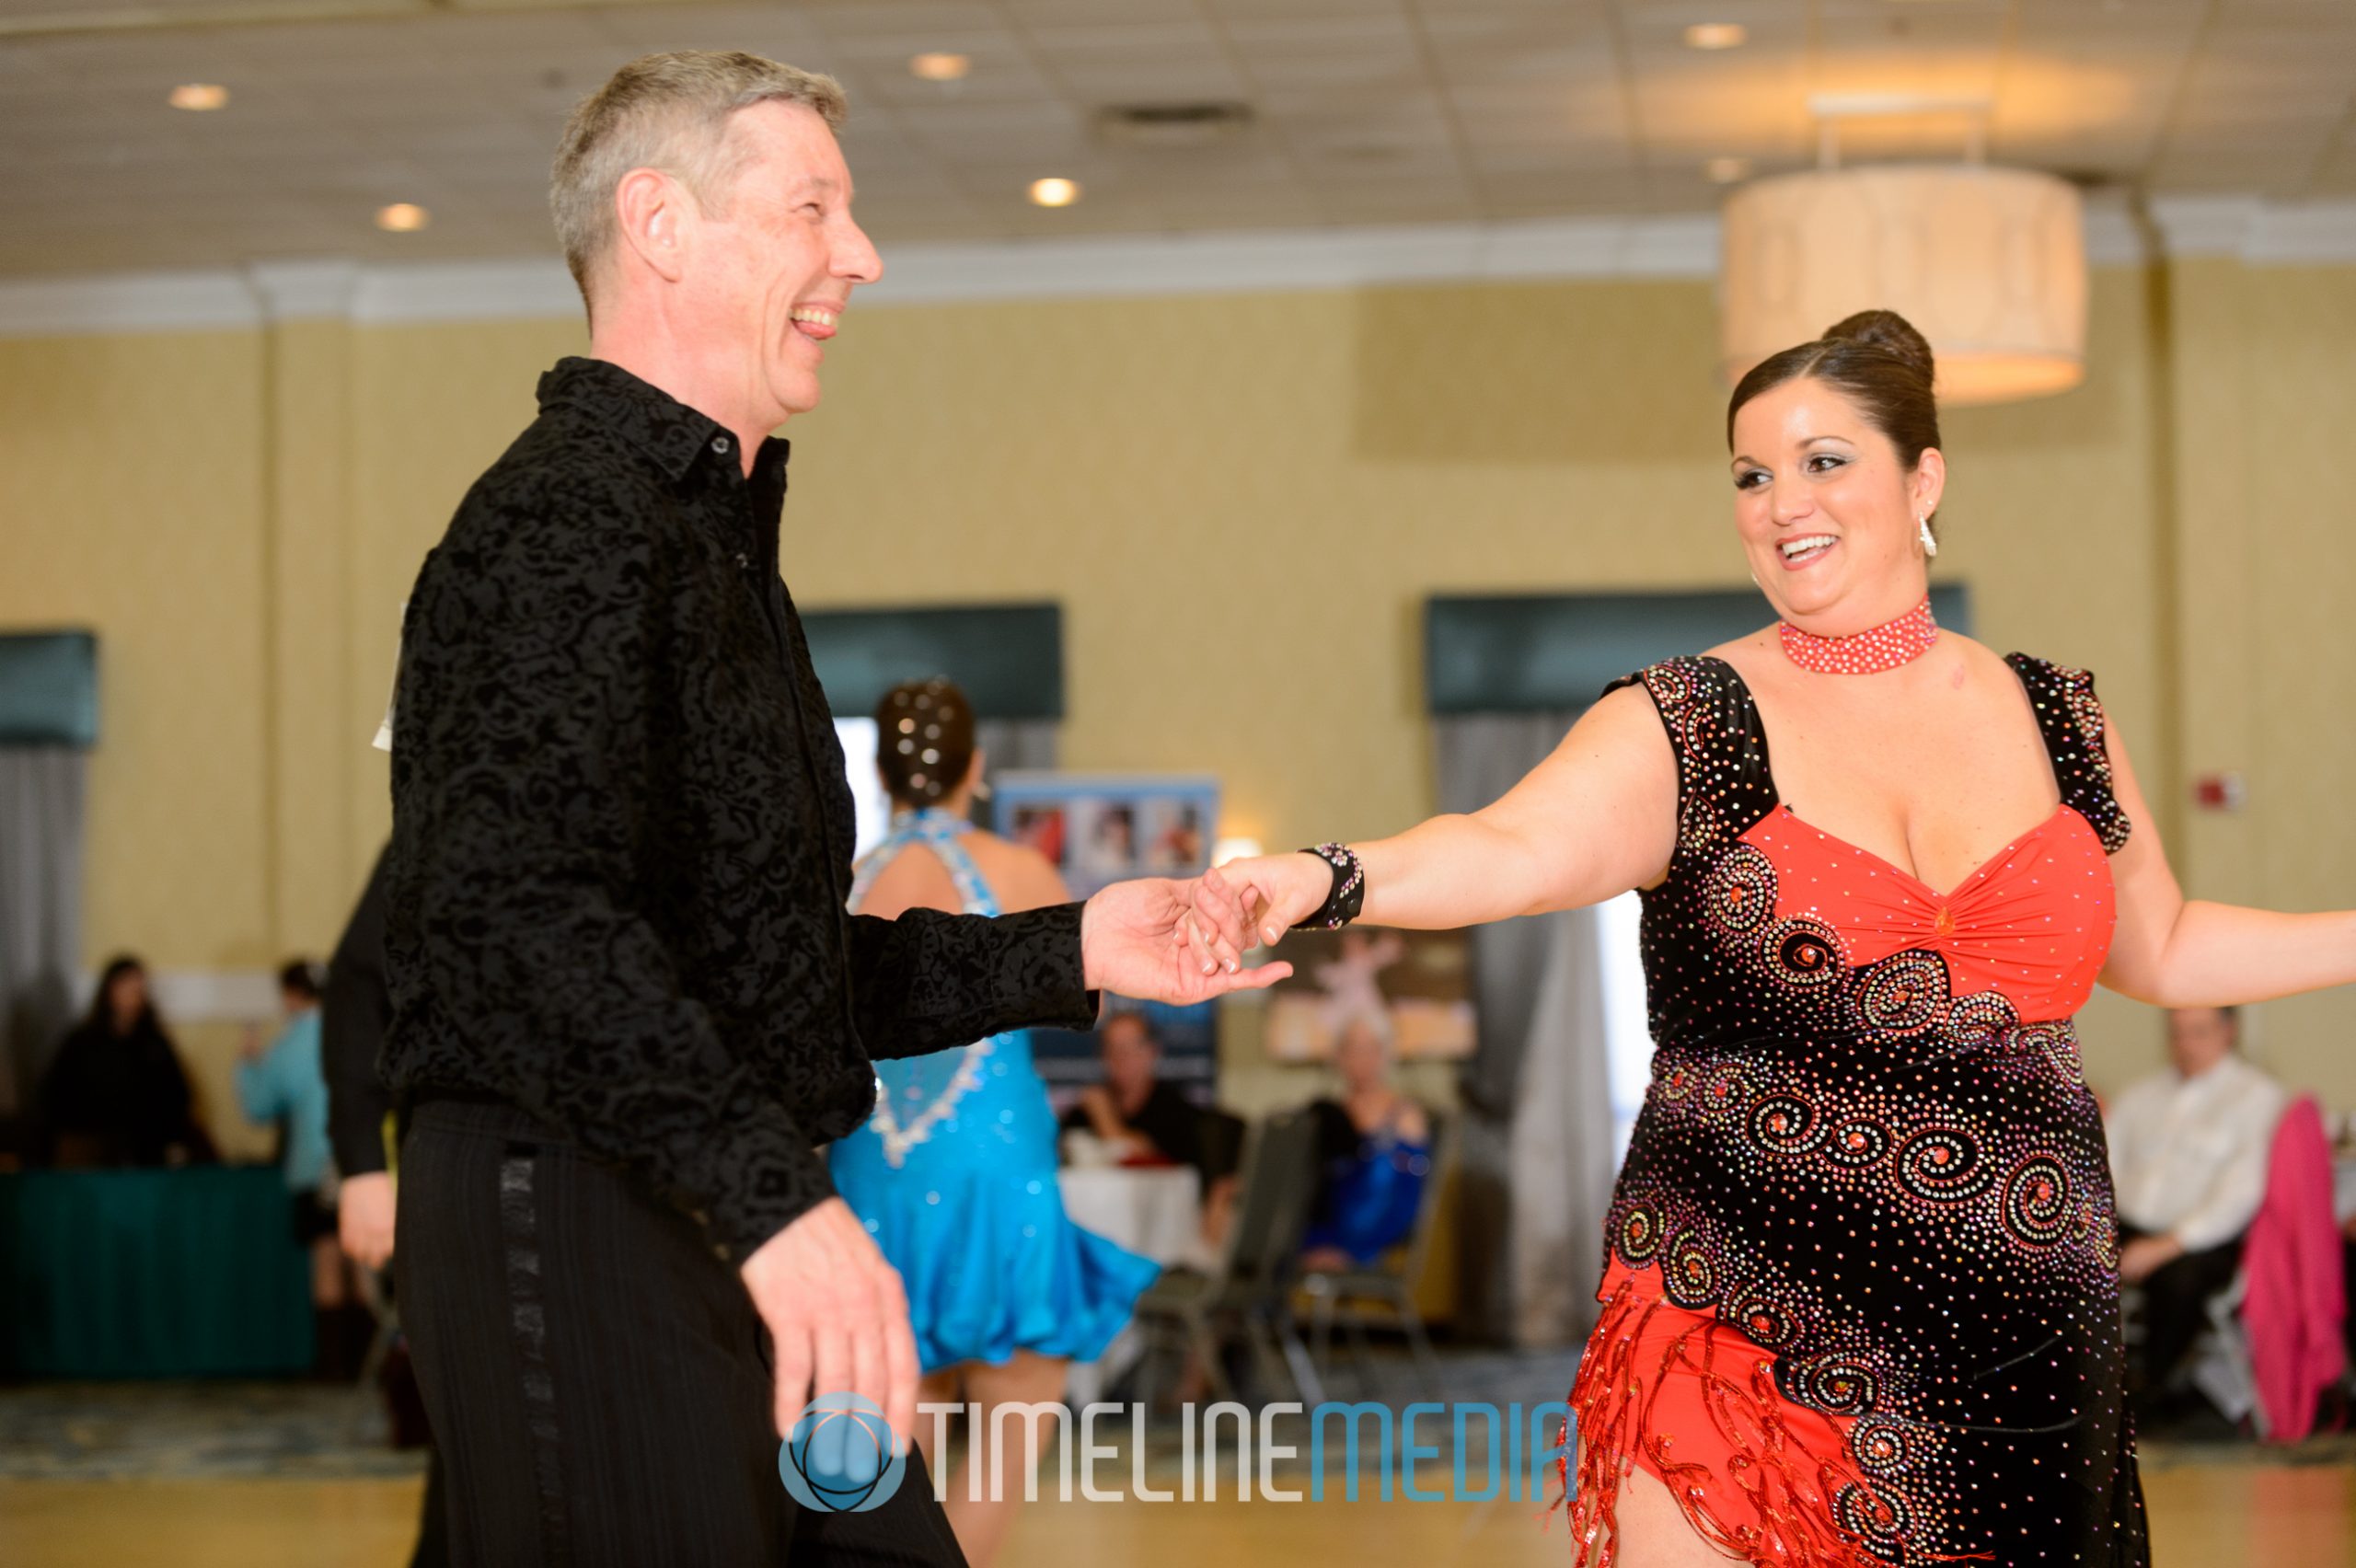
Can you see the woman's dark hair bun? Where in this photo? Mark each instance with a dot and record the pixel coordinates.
(1875, 359)
(1889, 332)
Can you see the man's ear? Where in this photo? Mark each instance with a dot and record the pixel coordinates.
(656, 219)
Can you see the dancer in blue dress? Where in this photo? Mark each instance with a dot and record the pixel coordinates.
(955, 1173)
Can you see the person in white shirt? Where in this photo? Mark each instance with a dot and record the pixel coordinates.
(2188, 1150)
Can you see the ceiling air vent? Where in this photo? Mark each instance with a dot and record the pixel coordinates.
(1175, 125)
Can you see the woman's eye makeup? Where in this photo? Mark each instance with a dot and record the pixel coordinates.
(1749, 478)
(1825, 462)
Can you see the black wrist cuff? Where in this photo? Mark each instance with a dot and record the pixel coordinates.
(1343, 904)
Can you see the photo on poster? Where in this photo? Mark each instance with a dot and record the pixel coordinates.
(1102, 828)
(1420, 981)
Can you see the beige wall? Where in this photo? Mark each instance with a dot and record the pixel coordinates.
(2264, 386)
(1242, 502)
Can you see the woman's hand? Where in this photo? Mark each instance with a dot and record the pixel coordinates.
(1180, 942)
(1279, 891)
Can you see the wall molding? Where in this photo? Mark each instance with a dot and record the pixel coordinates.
(2247, 229)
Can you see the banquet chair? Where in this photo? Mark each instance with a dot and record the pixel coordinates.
(1242, 1297)
(1383, 1293)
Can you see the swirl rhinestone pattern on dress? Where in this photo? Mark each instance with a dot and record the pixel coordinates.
(1861, 1281)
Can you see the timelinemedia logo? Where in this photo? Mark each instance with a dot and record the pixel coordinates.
(839, 1457)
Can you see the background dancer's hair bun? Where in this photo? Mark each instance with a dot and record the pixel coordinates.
(924, 741)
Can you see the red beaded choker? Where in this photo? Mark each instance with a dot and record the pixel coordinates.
(1885, 647)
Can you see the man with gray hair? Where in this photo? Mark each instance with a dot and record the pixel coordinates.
(627, 999)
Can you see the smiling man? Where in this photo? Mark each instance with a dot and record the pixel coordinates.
(627, 999)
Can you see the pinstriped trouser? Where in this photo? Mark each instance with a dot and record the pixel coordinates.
(596, 1374)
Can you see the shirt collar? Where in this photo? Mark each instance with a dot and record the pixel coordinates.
(2226, 1074)
(675, 436)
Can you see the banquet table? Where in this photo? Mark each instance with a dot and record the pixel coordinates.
(1154, 1211)
(188, 1273)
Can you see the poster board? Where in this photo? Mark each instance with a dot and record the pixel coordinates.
(1100, 828)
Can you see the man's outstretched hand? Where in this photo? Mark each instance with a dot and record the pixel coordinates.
(1171, 941)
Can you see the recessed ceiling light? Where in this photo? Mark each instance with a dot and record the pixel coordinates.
(941, 67)
(1056, 193)
(1727, 170)
(198, 97)
(402, 217)
(1716, 35)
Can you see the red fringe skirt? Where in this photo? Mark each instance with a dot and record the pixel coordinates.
(1693, 1402)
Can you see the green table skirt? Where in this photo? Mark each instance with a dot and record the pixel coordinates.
(152, 1274)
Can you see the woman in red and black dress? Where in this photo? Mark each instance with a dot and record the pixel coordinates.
(1860, 1274)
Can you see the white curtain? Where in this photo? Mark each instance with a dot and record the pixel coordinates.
(1537, 1152)
(1017, 745)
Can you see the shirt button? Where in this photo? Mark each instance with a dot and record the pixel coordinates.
(719, 444)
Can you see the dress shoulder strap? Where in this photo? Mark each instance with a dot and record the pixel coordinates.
(943, 836)
(1723, 783)
(2071, 718)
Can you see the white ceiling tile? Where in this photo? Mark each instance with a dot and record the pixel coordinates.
(1294, 35)
(1280, 10)
(847, 19)
(1393, 111)
(1092, 13)
(1129, 40)
(1202, 78)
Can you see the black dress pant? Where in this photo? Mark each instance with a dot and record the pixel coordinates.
(433, 1548)
(597, 1378)
(2175, 1306)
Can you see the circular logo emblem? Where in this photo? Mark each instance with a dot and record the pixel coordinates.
(838, 1458)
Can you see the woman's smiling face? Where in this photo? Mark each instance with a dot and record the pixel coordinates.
(1826, 509)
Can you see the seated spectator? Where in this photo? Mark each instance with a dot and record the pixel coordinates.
(2189, 1151)
(1374, 1150)
(1133, 1114)
(115, 1094)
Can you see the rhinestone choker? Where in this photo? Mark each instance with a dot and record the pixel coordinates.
(1885, 647)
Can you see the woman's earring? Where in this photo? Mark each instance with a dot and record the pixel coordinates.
(1922, 529)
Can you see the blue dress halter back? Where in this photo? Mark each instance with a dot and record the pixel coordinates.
(955, 1176)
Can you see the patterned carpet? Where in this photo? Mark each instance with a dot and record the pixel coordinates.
(194, 1431)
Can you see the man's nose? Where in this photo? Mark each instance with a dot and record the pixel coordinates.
(856, 257)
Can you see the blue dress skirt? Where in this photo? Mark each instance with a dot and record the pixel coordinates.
(955, 1176)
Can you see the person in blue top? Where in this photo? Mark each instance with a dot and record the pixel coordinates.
(282, 1083)
(1374, 1155)
(954, 1173)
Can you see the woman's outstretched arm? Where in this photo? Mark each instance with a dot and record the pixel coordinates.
(1598, 817)
(2172, 952)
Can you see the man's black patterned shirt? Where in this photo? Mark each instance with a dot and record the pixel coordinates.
(622, 833)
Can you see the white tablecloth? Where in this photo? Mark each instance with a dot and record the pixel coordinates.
(1156, 1212)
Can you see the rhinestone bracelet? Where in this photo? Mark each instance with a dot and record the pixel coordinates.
(1342, 905)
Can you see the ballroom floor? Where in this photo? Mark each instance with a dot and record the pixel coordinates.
(230, 1476)
(2203, 1513)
